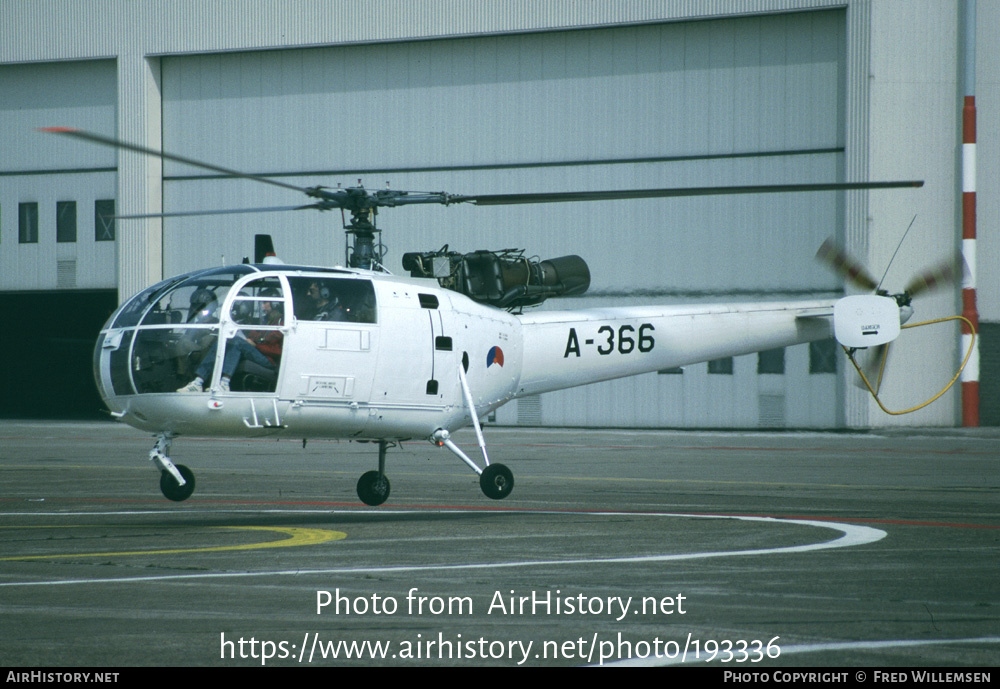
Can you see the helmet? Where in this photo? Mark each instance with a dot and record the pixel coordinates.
(243, 311)
(201, 298)
(204, 306)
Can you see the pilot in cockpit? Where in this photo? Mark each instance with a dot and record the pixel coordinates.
(204, 306)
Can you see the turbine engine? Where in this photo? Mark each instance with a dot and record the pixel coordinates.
(506, 279)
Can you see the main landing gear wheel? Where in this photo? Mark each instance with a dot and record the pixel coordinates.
(373, 488)
(496, 481)
(171, 490)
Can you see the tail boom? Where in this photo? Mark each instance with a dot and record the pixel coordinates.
(564, 349)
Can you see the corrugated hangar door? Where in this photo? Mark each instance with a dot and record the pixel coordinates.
(751, 100)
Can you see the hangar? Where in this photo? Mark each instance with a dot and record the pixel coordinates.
(502, 97)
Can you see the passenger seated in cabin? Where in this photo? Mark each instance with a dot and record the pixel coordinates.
(269, 342)
(260, 347)
(326, 305)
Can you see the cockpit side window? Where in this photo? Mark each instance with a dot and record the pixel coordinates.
(135, 307)
(194, 302)
(179, 329)
(253, 354)
(180, 299)
(259, 303)
(333, 299)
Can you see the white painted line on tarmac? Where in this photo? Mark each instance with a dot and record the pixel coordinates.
(653, 661)
(851, 535)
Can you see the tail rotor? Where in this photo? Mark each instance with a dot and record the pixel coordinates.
(866, 324)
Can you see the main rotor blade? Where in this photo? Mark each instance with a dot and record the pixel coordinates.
(116, 143)
(184, 214)
(610, 195)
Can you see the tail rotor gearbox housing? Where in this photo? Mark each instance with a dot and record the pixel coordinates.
(865, 320)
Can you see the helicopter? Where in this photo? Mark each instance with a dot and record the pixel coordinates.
(268, 349)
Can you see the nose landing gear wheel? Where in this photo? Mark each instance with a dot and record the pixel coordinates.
(373, 488)
(171, 490)
(497, 481)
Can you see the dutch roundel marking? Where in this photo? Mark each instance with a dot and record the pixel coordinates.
(625, 340)
(494, 356)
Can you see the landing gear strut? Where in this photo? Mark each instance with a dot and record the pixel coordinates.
(495, 480)
(176, 480)
(373, 486)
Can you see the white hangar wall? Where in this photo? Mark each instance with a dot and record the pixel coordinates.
(48, 177)
(562, 111)
(168, 65)
(725, 102)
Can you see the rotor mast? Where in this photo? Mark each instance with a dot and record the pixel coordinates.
(363, 205)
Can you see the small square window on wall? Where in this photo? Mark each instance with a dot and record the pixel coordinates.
(66, 221)
(27, 222)
(721, 366)
(823, 356)
(104, 221)
(771, 361)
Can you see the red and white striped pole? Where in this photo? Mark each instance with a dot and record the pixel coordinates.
(970, 375)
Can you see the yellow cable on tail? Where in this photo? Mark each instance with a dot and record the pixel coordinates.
(874, 393)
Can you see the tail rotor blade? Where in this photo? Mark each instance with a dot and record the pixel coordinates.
(846, 265)
(941, 274)
(872, 362)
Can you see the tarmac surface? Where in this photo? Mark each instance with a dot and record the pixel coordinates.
(752, 550)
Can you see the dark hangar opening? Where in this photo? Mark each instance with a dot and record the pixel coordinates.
(47, 352)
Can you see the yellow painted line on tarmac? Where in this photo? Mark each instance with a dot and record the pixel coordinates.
(295, 537)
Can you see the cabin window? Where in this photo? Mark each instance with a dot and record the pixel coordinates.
(333, 299)
(259, 303)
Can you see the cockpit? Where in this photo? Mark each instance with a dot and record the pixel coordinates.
(167, 338)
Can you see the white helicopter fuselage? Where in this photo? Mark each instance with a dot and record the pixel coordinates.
(390, 376)
(393, 372)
